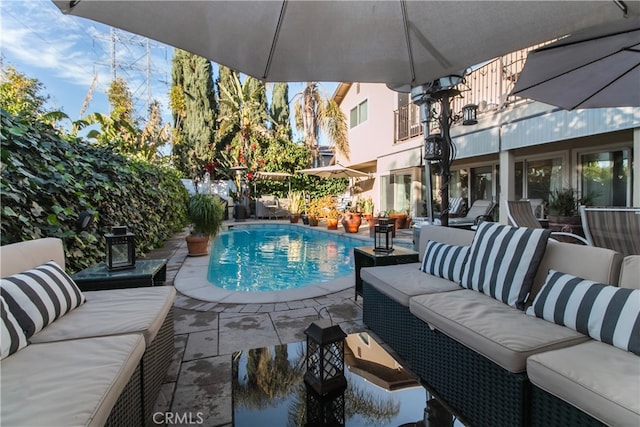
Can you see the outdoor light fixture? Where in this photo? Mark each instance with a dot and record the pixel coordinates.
(383, 236)
(325, 357)
(121, 249)
(433, 147)
(470, 115)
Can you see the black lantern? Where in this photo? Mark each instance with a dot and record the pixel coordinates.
(470, 115)
(433, 147)
(383, 236)
(325, 357)
(121, 249)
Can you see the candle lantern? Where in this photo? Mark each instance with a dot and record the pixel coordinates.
(433, 147)
(325, 357)
(121, 249)
(383, 236)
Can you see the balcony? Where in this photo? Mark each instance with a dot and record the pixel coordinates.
(488, 86)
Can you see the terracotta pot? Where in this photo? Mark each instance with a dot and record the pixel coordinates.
(197, 245)
(351, 222)
(374, 222)
(313, 221)
(294, 218)
(401, 220)
(332, 223)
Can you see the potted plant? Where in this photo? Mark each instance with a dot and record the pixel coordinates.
(367, 210)
(332, 216)
(564, 210)
(400, 218)
(206, 213)
(351, 220)
(296, 201)
(313, 212)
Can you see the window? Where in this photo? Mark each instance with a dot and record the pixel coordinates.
(605, 177)
(358, 114)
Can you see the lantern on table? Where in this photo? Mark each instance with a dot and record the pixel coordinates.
(383, 236)
(121, 249)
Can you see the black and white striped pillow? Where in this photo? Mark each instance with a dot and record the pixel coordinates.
(503, 261)
(12, 337)
(605, 313)
(39, 296)
(444, 260)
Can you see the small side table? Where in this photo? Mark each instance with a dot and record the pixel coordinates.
(147, 272)
(365, 256)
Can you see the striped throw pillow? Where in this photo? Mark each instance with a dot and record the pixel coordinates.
(12, 337)
(503, 261)
(444, 260)
(39, 296)
(605, 313)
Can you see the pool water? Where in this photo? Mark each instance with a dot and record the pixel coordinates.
(278, 257)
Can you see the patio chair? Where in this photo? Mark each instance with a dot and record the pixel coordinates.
(479, 208)
(456, 206)
(614, 228)
(520, 214)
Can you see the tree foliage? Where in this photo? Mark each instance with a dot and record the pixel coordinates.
(279, 111)
(48, 180)
(21, 95)
(194, 108)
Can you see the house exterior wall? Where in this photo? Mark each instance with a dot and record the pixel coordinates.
(515, 132)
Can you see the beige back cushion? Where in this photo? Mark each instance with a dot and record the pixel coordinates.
(18, 257)
(630, 274)
(588, 262)
(448, 235)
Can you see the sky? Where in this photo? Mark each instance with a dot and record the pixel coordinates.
(65, 53)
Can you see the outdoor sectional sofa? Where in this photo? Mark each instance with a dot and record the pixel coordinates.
(100, 357)
(494, 364)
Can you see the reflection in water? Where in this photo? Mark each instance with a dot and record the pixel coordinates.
(268, 385)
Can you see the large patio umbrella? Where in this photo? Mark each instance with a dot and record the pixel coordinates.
(596, 68)
(335, 171)
(395, 42)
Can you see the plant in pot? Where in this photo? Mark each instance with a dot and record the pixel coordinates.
(313, 212)
(564, 210)
(296, 202)
(206, 213)
(400, 218)
(367, 210)
(332, 216)
(351, 220)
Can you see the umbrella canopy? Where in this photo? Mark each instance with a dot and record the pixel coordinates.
(335, 171)
(395, 42)
(590, 69)
(273, 176)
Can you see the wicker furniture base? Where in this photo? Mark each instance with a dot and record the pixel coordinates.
(390, 320)
(155, 363)
(476, 388)
(549, 411)
(128, 408)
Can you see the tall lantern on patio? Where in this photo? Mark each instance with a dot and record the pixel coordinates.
(324, 377)
(383, 236)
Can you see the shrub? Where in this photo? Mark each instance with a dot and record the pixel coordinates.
(48, 180)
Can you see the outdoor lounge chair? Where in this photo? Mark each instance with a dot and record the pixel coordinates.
(614, 228)
(520, 213)
(479, 208)
(456, 206)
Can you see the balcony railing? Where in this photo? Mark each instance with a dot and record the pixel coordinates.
(487, 86)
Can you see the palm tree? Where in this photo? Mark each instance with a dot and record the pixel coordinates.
(315, 111)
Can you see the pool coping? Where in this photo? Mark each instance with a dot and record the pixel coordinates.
(191, 279)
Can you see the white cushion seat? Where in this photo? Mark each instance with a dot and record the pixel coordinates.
(403, 281)
(101, 368)
(500, 333)
(597, 378)
(112, 312)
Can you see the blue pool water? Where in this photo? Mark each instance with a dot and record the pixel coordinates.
(278, 257)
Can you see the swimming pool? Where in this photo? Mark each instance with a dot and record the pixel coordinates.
(278, 257)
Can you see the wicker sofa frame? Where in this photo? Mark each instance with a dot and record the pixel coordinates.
(128, 408)
(548, 410)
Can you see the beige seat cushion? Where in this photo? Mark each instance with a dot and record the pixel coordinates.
(71, 383)
(500, 333)
(403, 281)
(597, 378)
(630, 273)
(112, 312)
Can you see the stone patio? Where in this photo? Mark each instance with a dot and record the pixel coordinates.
(197, 388)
